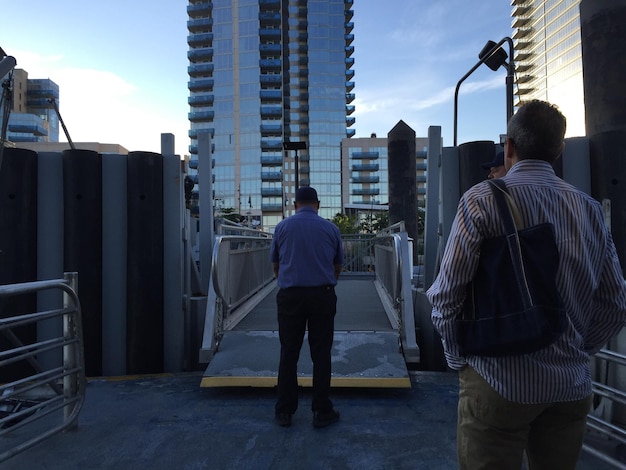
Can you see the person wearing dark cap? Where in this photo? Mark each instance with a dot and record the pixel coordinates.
(496, 166)
(307, 255)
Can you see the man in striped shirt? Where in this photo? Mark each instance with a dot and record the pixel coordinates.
(535, 402)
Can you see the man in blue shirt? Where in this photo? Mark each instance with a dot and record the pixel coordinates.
(307, 255)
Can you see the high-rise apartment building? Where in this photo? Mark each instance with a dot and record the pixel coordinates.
(365, 170)
(548, 56)
(265, 72)
(32, 118)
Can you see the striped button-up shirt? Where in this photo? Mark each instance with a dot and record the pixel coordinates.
(589, 280)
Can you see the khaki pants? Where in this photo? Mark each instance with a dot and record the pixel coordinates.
(492, 432)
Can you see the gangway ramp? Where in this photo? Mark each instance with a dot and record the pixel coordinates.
(366, 349)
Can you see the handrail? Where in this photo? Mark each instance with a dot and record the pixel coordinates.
(393, 275)
(600, 425)
(30, 396)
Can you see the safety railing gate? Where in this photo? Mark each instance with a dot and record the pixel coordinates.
(38, 401)
(600, 424)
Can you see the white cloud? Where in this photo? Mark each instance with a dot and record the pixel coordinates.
(101, 106)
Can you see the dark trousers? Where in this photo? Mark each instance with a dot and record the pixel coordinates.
(299, 308)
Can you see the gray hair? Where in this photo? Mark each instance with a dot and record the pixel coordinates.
(537, 131)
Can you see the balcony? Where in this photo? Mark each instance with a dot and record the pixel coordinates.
(271, 129)
(199, 9)
(421, 166)
(272, 192)
(349, 14)
(268, 17)
(271, 79)
(271, 160)
(269, 4)
(34, 129)
(196, 70)
(304, 169)
(349, 51)
(349, 38)
(269, 33)
(205, 84)
(349, 26)
(365, 155)
(274, 49)
(366, 167)
(200, 24)
(268, 64)
(365, 179)
(349, 74)
(193, 133)
(268, 145)
(349, 86)
(201, 116)
(522, 33)
(200, 39)
(520, 21)
(520, 10)
(202, 54)
(271, 111)
(350, 121)
(365, 192)
(201, 100)
(349, 61)
(271, 207)
(350, 132)
(271, 95)
(271, 176)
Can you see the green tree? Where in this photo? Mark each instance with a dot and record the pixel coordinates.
(229, 213)
(346, 224)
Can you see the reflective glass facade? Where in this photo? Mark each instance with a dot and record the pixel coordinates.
(32, 118)
(548, 56)
(265, 72)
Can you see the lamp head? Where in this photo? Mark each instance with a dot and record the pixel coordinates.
(494, 60)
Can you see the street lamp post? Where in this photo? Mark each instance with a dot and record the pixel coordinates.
(300, 145)
(493, 56)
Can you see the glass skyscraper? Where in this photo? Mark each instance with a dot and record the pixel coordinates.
(548, 56)
(265, 72)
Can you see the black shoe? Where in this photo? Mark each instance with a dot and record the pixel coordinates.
(324, 418)
(283, 419)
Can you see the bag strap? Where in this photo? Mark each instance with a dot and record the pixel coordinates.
(512, 208)
(508, 210)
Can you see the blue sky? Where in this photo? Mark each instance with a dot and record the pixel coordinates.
(122, 66)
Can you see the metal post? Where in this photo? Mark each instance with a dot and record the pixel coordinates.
(70, 381)
(297, 169)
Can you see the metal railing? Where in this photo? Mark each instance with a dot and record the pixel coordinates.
(393, 266)
(241, 267)
(37, 402)
(595, 423)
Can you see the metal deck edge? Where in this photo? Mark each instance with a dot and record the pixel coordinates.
(337, 382)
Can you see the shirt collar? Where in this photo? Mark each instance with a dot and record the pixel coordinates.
(530, 164)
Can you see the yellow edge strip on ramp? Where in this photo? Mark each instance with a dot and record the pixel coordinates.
(364, 382)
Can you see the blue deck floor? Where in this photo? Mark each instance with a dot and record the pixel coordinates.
(173, 423)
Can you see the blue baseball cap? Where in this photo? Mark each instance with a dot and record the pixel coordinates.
(306, 194)
(498, 161)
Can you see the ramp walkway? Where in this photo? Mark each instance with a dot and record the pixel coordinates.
(366, 350)
(374, 326)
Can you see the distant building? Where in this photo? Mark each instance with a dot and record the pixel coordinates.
(265, 72)
(365, 178)
(102, 149)
(548, 57)
(33, 118)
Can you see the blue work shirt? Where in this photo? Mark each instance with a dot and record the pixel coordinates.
(306, 247)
